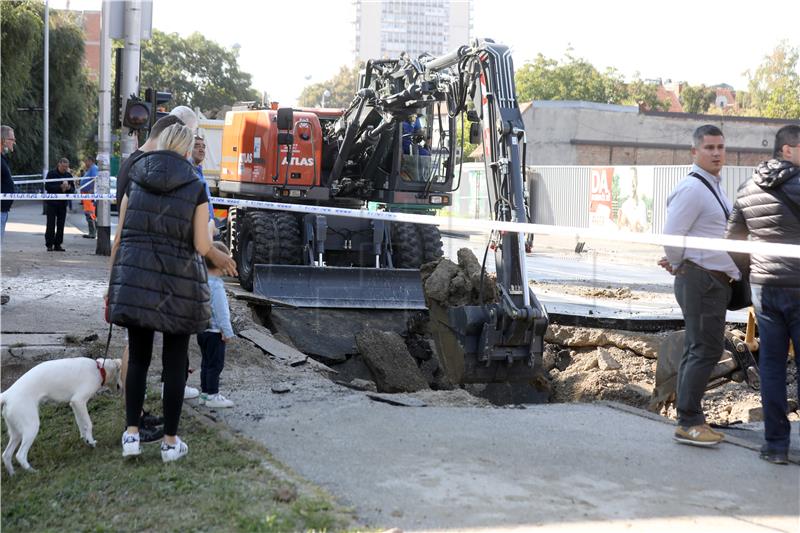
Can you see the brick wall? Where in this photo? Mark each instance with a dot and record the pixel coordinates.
(593, 155)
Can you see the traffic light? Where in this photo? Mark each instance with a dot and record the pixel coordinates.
(156, 99)
(136, 115)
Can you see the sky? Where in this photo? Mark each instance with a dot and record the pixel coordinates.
(288, 45)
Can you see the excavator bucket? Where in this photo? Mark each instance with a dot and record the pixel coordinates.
(736, 363)
(339, 287)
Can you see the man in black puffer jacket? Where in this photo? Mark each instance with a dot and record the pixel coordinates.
(767, 209)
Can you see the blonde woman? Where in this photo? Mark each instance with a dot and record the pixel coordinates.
(159, 278)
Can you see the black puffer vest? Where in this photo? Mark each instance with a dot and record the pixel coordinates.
(158, 280)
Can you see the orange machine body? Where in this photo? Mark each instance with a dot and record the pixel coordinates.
(251, 153)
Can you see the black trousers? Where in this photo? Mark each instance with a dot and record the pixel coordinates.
(213, 350)
(56, 217)
(173, 358)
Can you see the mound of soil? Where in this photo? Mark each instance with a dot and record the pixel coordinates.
(589, 364)
(451, 285)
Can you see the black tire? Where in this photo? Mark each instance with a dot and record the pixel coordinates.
(431, 241)
(264, 237)
(406, 246)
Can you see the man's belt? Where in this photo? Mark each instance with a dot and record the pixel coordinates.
(722, 276)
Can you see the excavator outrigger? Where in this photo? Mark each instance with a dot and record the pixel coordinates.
(370, 153)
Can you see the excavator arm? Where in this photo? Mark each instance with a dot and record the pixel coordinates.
(500, 341)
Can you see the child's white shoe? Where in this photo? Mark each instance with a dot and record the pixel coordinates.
(216, 401)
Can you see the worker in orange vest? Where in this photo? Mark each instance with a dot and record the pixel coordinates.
(87, 187)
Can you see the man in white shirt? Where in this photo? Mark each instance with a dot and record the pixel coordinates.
(698, 207)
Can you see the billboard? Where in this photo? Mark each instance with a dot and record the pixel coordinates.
(621, 198)
(600, 198)
(632, 194)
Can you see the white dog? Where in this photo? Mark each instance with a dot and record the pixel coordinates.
(72, 380)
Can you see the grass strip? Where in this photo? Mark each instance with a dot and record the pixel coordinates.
(224, 484)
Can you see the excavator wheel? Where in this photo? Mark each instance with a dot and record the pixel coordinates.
(264, 237)
(406, 247)
(431, 241)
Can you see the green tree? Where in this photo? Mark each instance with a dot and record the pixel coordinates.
(775, 84)
(71, 92)
(570, 79)
(342, 87)
(198, 72)
(645, 95)
(697, 99)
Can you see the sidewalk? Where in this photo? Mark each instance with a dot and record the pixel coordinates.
(52, 294)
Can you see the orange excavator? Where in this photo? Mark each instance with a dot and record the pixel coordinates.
(367, 156)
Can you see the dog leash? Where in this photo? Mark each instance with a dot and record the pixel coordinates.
(108, 342)
(102, 368)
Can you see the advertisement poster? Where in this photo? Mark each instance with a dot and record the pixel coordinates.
(600, 198)
(632, 198)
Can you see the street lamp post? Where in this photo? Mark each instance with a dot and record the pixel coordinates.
(325, 94)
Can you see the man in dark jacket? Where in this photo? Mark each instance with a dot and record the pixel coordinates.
(57, 209)
(767, 209)
(9, 141)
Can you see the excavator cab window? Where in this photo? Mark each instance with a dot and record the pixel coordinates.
(421, 160)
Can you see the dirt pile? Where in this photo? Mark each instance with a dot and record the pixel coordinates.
(622, 293)
(589, 364)
(451, 285)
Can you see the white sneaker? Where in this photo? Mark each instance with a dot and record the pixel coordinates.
(130, 444)
(188, 392)
(217, 401)
(173, 452)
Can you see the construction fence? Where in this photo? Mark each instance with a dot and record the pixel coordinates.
(629, 198)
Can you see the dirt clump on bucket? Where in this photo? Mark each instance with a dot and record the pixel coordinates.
(451, 285)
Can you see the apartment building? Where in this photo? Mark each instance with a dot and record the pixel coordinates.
(386, 29)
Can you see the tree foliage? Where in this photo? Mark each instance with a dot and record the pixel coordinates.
(570, 79)
(697, 99)
(575, 78)
(342, 87)
(71, 92)
(774, 87)
(198, 72)
(645, 95)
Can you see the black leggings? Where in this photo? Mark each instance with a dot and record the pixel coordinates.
(173, 358)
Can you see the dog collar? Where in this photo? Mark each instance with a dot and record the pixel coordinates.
(102, 373)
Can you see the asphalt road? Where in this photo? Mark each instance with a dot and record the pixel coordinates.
(563, 466)
(592, 269)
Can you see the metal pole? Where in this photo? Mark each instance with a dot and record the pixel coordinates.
(46, 118)
(130, 67)
(103, 246)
